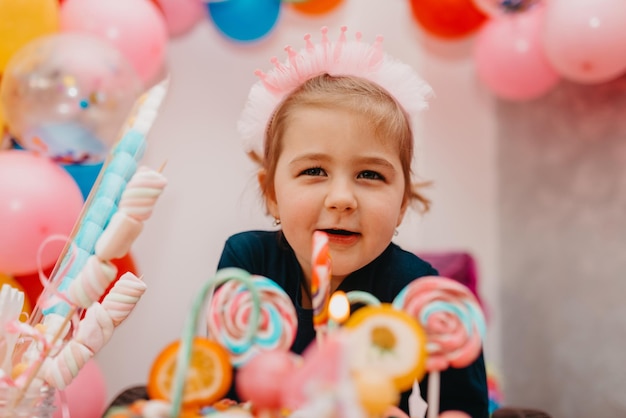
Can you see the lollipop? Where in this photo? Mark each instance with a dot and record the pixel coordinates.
(228, 319)
(454, 324)
(451, 316)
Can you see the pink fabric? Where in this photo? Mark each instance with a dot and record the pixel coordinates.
(457, 265)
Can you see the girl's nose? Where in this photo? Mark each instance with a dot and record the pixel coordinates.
(340, 196)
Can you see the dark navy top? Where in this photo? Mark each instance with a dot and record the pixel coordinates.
(267, 253)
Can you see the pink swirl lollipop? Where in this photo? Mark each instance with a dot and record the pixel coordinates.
(451, 316)
(230, 312)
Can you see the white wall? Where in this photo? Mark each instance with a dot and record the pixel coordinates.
(212, 193)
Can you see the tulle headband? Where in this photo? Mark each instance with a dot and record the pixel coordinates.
(342, 57)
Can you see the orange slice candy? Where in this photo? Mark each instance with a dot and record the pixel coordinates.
(208, 379)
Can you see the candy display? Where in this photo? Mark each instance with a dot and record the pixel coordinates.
(358, 369)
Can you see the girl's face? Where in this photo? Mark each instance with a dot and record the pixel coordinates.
(334, 175)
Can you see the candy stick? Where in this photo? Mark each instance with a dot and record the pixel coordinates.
(454, 324)
(191, 326)
(359, 296)
(132, 142)
(320, 283)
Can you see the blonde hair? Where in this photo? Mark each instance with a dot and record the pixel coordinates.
(364, 97)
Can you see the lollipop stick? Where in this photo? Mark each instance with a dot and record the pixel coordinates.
(433, 394)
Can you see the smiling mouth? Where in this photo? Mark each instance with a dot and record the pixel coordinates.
(340, 232)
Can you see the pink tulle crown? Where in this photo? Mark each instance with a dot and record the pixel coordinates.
(342, 57)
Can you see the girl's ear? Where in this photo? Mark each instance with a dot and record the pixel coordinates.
(403, 209)
(268, 195)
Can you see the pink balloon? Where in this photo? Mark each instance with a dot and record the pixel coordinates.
(86, 395)
(585, 40)
(262, 378)
(38, 198)
(135, 27)
(181, 15)
(510, 59)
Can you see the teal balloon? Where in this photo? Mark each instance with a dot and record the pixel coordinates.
(84, 175)
(244, 20)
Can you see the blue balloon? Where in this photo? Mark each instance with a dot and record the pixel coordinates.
(84, 175)
(244, 20)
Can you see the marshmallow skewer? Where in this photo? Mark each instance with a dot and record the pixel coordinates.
(140, 196)
(104, 198)
(94, 330)
(136, 206)
(107, 189)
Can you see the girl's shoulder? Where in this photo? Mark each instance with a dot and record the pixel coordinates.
(401, 260)
(255, 241)
(400, 267)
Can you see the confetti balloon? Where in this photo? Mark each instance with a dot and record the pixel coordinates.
(67, 95)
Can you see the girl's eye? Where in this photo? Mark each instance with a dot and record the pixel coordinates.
(370, 175)
(315, 171)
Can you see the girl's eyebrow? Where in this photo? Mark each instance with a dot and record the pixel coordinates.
(376, 161)
(309, 157)
(319, 157)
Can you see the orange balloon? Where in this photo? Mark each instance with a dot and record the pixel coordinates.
(27, 307)
(449, 19)
(316, 7)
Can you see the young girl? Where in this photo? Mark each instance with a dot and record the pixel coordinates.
(331, 131)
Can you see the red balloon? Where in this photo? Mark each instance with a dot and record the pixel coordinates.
(33, 287)
(449, 19)
(124, 265)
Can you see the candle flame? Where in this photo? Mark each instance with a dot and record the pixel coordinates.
(339, 307)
